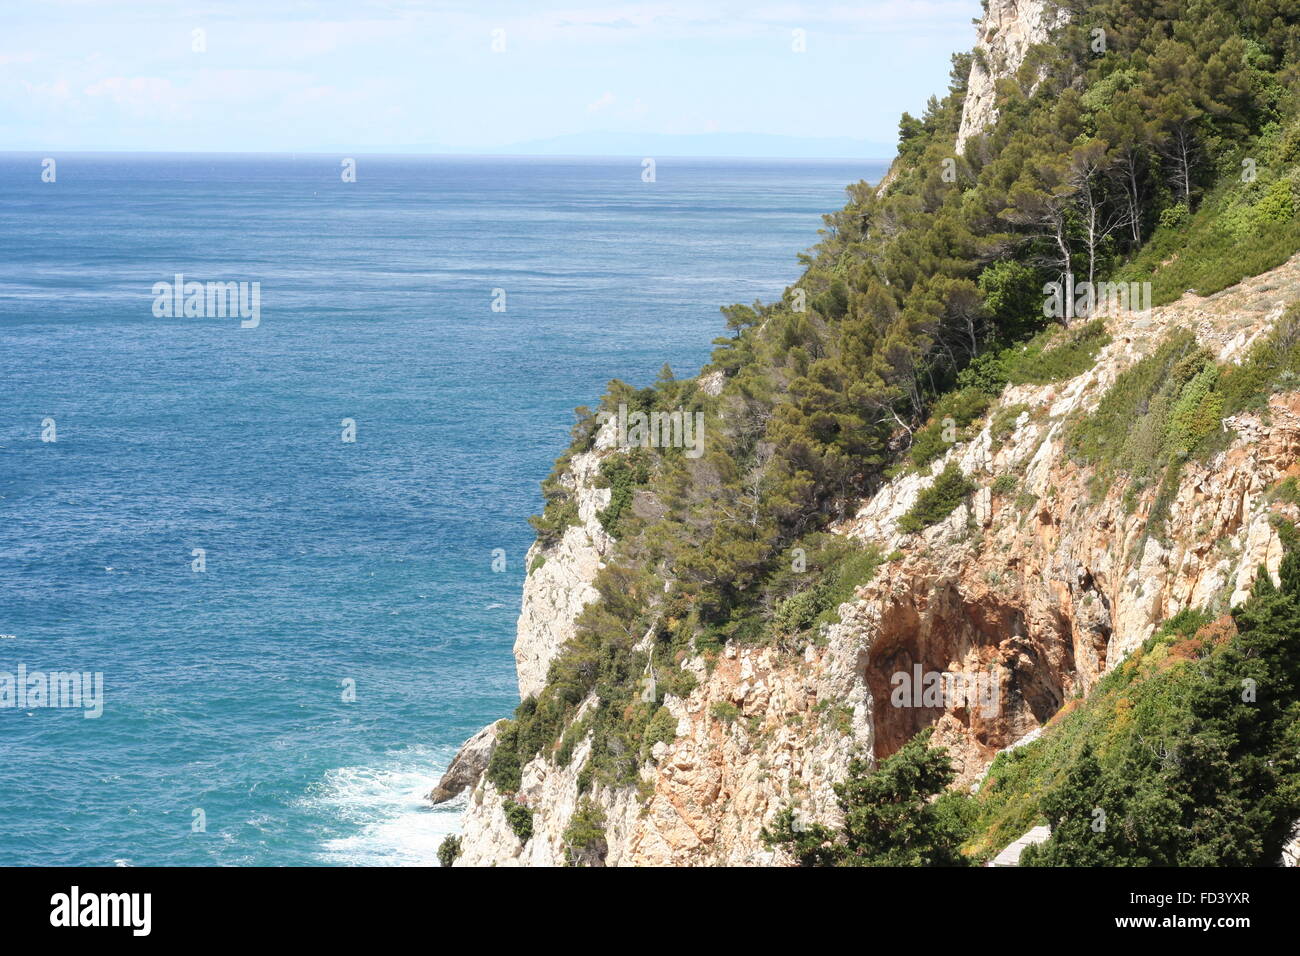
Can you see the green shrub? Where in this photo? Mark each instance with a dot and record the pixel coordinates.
(661, 729)
(836, 566)
(949, 489)
(1013, 296)
(622, 474)
(725, 711)
(1175, 216)
(1195, 413)
(797, 612)
(1005, 484)
(448, 850)
(584, 837)
(520, 819)
(1055, 354)
(560, 512)
(949, 418)
(573, 735)
(504, 769)
(891, 816)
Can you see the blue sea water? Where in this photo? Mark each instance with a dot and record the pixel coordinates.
(329, 565)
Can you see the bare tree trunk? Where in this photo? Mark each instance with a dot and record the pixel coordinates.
(1183, 155)
(1134, 202)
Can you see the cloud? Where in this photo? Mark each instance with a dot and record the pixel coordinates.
(45, 95)
(145, 95)
(605, 101)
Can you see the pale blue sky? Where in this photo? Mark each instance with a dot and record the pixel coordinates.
(385, 75)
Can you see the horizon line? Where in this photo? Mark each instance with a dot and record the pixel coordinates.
(465, 155)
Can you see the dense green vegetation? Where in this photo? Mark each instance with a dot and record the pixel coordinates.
(890, 818)
(917, 307)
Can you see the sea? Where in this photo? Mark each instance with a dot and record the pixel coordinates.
(278, 554)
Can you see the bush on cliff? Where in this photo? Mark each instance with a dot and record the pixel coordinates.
(949, 489)
(584, 837)
(448, 850)
(890, 815)
(520, 819)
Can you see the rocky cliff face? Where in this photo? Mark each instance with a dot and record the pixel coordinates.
(1038, 580)
(1007, 31)
(559, 579)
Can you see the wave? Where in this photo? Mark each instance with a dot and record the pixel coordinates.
(395, 824)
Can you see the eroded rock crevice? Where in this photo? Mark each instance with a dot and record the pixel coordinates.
(973, 663)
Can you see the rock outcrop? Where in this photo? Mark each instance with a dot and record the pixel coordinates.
(468, 765)
(1006, 33)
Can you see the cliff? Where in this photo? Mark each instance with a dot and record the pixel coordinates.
(560, 575)
(1046, 576)
(1037, 579)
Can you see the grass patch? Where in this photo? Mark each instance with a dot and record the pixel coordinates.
(949, 423)
(1055, 354)
(725, 711)
(1240, 230)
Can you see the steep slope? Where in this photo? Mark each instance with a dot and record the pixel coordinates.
(908, 479)
(560, 573)
(1036, 578)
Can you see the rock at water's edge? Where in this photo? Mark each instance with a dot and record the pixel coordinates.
(468, 764)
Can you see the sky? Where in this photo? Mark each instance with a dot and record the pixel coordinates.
(472, 75)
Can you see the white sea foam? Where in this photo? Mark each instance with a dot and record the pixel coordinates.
(397, 825)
